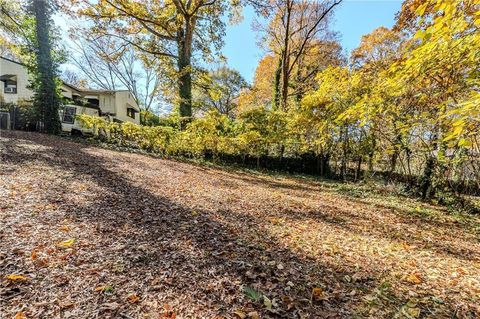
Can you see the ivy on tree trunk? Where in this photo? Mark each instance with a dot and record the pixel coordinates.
(47, 100)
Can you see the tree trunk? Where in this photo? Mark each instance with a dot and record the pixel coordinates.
(47, 100)
(345, 154)
(298, 84)
(358, 171)
(426, 179)
(276, 84)
(324, 164)
(286, 55)
(184, 43)
(395, 155)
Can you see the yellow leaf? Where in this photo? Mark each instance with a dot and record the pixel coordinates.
(464, 142)
(20, 315)
(100, 288)
(13, 277)
(66, 243)
(421, 9)
(414, 278)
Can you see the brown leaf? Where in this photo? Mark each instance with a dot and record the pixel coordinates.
(240, 314)
(64, 228)
(317, 293)
(133, 298)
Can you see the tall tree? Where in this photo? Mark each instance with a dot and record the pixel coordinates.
(15, 28)
(172, 30)
(111, 64)
(296, 27)
(47, 100)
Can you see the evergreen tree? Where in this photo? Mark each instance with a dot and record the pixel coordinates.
(47, 99)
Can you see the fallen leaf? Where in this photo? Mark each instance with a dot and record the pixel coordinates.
(34, 254)
(240, 314)
(317, 293)
(104, 288)
(267, 302)
(20, 315)
(414, 278)
(100, 288)
(64, 228)
(410, 309)
(133, 298)
(19, 278)
(66, 243)
(413, 312)
(253, 315)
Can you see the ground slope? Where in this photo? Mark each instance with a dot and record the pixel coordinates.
(93, 233)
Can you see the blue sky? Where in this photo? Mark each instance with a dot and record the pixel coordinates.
(353, 19)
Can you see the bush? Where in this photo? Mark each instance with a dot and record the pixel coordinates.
(22, 116)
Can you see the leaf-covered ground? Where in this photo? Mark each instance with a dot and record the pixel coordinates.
(87, 232)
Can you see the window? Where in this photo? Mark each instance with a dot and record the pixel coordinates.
(94, 103)
(69, 115)
(10, 87)
(131, 112)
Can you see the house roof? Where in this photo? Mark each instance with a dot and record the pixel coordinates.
(10, 60)
(71, 85)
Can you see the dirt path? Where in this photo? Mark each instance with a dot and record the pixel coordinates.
(93, 233)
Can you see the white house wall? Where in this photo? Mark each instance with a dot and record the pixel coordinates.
(23, 93)
(113, 102)
(124, 100)
(107, 103)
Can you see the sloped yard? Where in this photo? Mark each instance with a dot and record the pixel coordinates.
(93, 233)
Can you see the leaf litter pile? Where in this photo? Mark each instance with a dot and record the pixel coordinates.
(87, 232)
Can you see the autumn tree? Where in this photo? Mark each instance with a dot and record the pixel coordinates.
(296, 28)
(259, 94)
(219, 89)
(442, 69)
(176, 32)
(386, 117)
(16, 27)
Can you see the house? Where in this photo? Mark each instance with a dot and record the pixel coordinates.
(116, 105)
